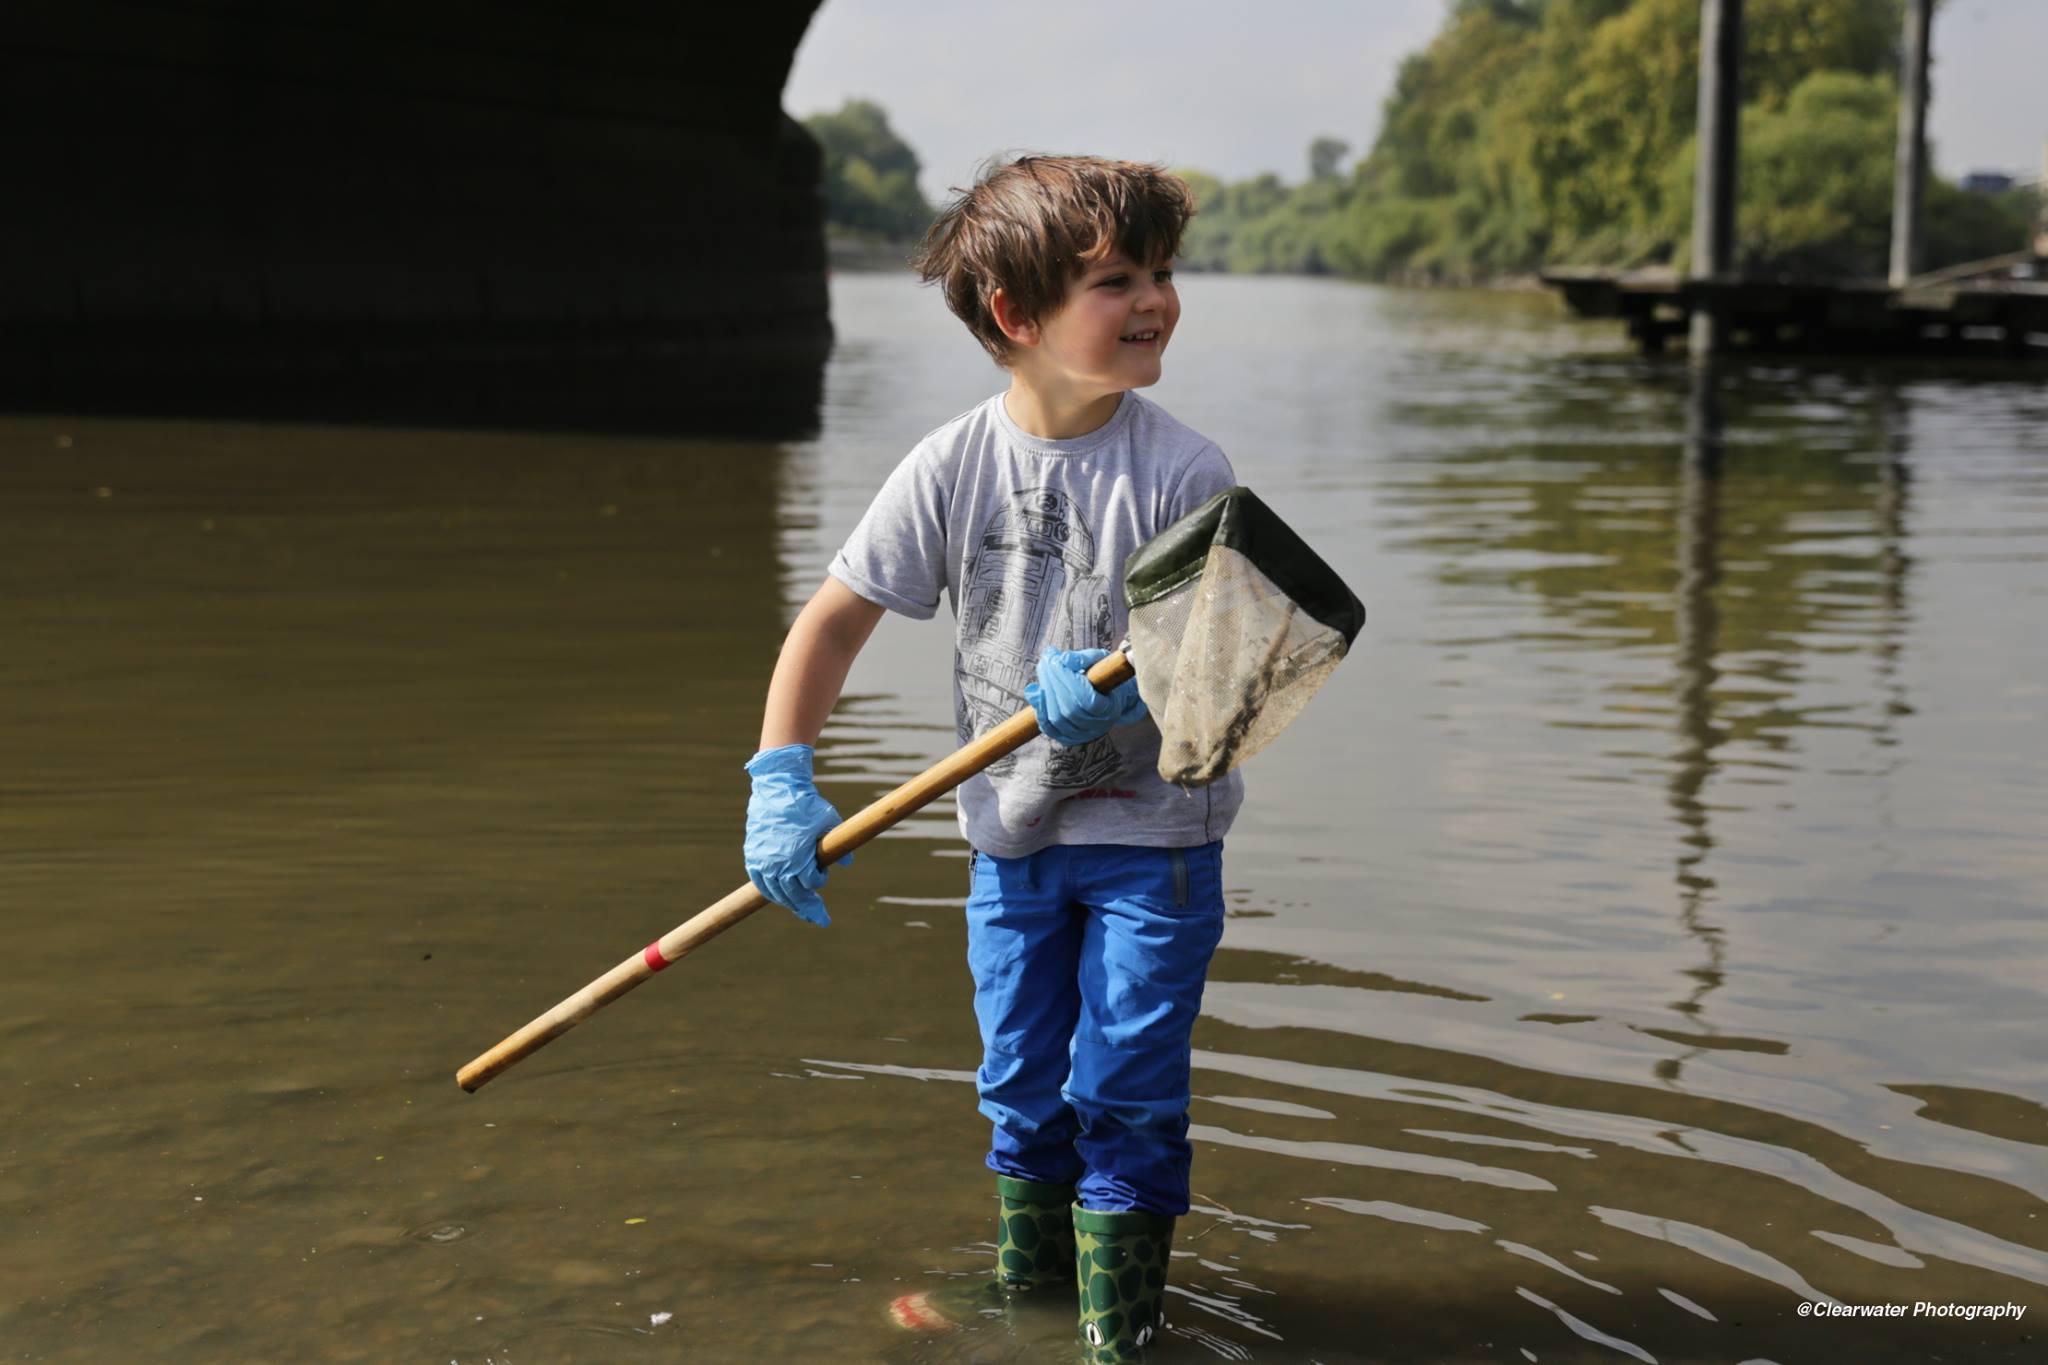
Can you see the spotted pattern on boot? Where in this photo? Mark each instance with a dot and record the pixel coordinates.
(1034, 1234)
(1120, 1266)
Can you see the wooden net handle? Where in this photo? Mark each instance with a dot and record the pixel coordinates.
(709, 923)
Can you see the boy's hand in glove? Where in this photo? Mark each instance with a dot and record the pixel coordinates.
(785, 819)
(1069, 708)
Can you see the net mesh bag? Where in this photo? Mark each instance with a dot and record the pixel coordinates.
(1234, 624)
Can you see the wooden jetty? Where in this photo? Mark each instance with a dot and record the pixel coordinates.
(1981, 308)
(1996, 305)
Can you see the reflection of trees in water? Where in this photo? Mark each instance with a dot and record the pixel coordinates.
(1774, 544)
(1584, 519)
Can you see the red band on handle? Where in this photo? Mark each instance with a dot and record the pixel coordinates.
(652, 954)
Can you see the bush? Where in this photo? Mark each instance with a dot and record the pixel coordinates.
(870, 173)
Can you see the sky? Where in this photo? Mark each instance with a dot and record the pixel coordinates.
(1239, 87)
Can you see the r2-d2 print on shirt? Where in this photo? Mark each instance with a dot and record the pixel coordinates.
(1031, 586)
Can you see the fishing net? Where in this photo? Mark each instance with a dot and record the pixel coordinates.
(1235, 623)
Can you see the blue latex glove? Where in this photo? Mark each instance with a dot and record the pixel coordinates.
(1069, 708)
(785, 819)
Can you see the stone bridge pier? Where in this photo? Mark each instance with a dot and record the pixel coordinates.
(516, 213)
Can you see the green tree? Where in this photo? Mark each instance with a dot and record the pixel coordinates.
(1326, 157)
(1531, 132)
(1262, 225)
(1206, 243)
(1962, 226)
(1815, 195)
(870, 173)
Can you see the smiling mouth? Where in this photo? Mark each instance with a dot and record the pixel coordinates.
(1141, 336)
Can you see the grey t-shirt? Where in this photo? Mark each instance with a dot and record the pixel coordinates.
(1026, 539)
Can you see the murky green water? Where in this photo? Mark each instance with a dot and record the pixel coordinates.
(1641, 936)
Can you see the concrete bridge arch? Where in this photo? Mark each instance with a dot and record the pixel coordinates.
(514, 213)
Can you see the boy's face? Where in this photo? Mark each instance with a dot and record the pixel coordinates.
(1109, 332)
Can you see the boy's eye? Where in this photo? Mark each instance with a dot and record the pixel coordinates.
(1162, 275)
(1117, 281)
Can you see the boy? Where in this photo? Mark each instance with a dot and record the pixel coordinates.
(1096, 888)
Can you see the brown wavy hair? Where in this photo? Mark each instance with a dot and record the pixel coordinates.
(1032, 226)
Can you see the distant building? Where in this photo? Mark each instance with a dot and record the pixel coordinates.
(1987, 182)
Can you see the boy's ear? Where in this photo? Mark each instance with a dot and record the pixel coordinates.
(1010, 318)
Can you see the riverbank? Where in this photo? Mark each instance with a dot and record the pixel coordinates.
(857, 252)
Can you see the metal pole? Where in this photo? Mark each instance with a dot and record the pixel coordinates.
(1910, 176)
(1713, 191)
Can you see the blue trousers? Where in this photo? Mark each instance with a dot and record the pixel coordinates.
(1088, 964)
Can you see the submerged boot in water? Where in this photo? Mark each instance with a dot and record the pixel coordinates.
(1035, 1235)
(1120, 1262)
(1034, 1249)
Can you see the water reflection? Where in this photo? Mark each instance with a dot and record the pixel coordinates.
(1761, 566)
(1697, 628)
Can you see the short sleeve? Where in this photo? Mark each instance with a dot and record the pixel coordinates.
(896, 556)
(1208, 474)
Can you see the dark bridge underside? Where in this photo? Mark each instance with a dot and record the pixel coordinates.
(515, 213)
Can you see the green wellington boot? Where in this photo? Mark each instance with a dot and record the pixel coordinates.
(1034, 1250)
(1035, 1234)
(1120, 1263)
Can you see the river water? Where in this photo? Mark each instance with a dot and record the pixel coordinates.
(1641, 936)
